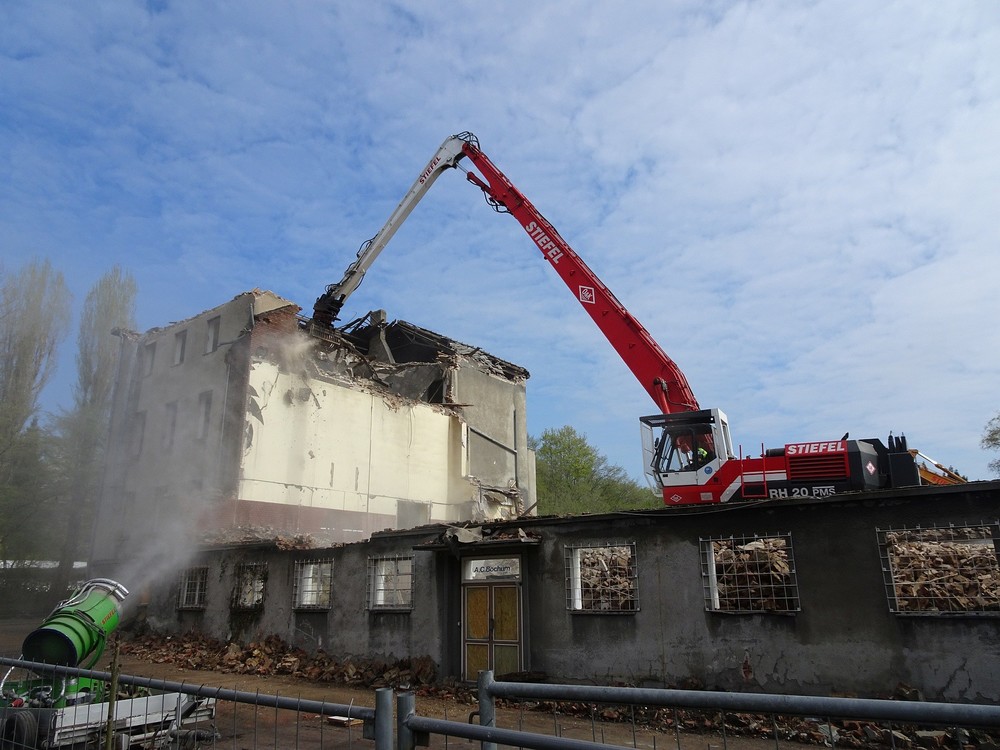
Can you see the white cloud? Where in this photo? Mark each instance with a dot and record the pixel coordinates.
(797, 200)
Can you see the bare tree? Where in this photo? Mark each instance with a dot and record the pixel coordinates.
(991, 442)
(82, 431)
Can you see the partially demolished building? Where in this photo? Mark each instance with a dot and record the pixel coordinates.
(367, 493)
(239, 422)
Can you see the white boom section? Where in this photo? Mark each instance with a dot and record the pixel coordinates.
(446, 158)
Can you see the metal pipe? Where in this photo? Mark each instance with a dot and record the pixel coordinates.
(383, 719)
(405, 712)
(919, 712)
(487, 706)
(494, 736)
(204, 691)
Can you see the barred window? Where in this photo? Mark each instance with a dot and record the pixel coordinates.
(313, 584)
(390, 583)
(941, 571)
(602, 579)
(248, 590)
(745, 574)
(193, 588)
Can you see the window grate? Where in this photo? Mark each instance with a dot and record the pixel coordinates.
(935, 571)
(390, 583)
(193, 588)
(602, 579)
(313, 584)
(248, 590)
(749, 574)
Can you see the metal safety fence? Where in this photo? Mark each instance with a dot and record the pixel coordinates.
(159, 715)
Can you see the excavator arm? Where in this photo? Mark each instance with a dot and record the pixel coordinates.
(328, 305)
(657, 373)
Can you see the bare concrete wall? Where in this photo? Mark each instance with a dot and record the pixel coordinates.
(844, 639)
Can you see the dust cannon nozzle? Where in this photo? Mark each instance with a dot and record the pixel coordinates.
(78, 628)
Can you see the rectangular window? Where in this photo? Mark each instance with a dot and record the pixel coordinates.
(941, 571)
(194, 584)
(180, 344)
(743, 574)
(204, 414)
(390, 582)
(602, 579)
(169, 425)
(212, 334)
(248, 589)
(138, 432)
(313, 584)
(148, 357)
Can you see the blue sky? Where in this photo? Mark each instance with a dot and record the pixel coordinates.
(798, 199)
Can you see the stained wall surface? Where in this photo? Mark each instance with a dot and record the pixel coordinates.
(841, 636)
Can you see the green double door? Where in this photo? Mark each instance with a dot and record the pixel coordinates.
(491, 631)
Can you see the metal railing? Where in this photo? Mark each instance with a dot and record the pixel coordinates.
(413, 729)
(244, 720)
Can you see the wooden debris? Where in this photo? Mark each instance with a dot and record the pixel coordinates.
(343, 721)
(754, 576)
(944, 570)
(607, 579)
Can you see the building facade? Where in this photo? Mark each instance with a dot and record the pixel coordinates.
(242, 422)
(854, 595)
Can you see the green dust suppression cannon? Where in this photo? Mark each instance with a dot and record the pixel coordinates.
(77, 631)
(81, 711)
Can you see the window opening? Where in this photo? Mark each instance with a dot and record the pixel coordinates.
(941, 571)
(390, 582)
(212, 334)
(248, 591)
(204, 414)
(180, 344)
(138, 432)
(148, 357)
(313, 584)
(193, 588)
(743, 574)
(170, 426)
(602, 578)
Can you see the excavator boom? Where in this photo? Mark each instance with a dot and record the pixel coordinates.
(657, 373)
(687, 451)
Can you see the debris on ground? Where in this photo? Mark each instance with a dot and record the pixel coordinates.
(272, 656)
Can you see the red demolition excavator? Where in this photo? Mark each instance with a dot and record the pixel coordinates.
(687, 451)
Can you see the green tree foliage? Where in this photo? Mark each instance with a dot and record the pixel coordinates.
(27, 499)
(82, 431)
(34, 308)
(991, 441)
(574, 477)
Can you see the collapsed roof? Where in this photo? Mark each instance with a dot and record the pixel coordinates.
(409, 360)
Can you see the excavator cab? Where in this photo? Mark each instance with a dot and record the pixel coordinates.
(685, 448)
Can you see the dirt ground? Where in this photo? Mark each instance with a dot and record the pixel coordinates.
(246, 727)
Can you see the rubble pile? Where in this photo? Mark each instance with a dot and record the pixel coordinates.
(272, 656)
(256, 535)
(607, 578)
(756, 576)
(800, 730)
(944, 570)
